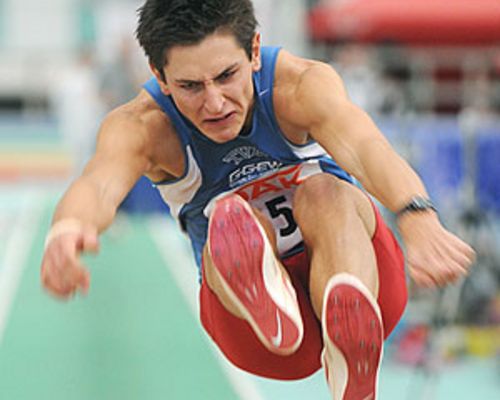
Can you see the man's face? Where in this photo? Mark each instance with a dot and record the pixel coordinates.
(211, 84)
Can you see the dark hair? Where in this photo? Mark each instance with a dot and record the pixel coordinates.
(164, 24)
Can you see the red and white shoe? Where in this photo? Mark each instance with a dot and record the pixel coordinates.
(244, 260)
(353, 338)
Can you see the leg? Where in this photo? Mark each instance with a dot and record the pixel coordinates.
(337, 222)
(236, 339)
(242, 269)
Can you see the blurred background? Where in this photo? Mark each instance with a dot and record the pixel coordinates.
(427, 71)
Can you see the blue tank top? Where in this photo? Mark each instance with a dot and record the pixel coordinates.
(262, 166)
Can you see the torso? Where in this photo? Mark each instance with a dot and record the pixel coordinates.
(264, 167)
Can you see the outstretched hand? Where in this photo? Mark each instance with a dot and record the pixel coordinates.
(62, 272)
(435, 256)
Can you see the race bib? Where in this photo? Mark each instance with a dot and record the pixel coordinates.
(273, 195)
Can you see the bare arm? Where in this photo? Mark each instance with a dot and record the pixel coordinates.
(89, 205)
(434, 255)
(353, 139)
(120, 159)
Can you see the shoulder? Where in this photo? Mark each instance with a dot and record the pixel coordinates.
(140, 128)
(295, 73)
(302, 84)
(139, 118)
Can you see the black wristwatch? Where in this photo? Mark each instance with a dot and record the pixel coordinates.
(417, 204)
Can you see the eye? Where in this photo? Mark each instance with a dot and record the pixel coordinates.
(191, 86)
(225, 76)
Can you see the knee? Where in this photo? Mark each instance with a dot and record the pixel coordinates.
(322, 195)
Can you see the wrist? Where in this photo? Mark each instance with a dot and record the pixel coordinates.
(61, 227)
(417, 205)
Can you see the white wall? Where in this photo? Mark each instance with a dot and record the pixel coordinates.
(40, 25)
(282, 23)
(38, 36)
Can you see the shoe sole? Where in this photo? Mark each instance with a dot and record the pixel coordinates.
(353, 337)
(246, 265)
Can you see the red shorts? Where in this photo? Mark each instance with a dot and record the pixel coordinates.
(240, 345)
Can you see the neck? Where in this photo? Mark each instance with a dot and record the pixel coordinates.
(247, 126)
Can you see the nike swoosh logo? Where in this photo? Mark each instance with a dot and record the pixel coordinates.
(278, 338)
(263, 92)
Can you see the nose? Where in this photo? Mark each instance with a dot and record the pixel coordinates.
(214, 99)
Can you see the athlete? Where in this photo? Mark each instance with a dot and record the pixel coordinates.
(257, 152)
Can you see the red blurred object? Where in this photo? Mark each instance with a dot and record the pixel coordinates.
(419, 22)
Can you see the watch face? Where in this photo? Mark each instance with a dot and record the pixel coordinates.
(420, 203)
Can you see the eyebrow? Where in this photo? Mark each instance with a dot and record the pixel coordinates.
(189, 81)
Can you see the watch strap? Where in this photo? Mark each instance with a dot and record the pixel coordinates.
(417, 204)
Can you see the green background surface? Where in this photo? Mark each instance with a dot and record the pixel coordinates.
(136, 337)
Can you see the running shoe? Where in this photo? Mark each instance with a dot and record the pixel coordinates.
(353, 338)
(251, 277)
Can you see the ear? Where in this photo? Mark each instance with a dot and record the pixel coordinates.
(256, 62)
(159, 77)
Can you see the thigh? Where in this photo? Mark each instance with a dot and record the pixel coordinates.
(392, 295)
(236, 339)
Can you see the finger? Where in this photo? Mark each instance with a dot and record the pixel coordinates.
(45, 278)
(441, 265)
(464, 252)
(456, 270)
(444, 275)
(61, 279)
(74, 275)
(446, 270)
(62, 271)
(61, 254)
(78, 277)
(56, 290)
(437, 272)
(445, 251)
(421, 266)
(48, 276)
(63, 295)
(453, 263)
(423, 281)
(83, 283)
(450, 259)
(421, 277)
(468, 257)
(58, 274)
